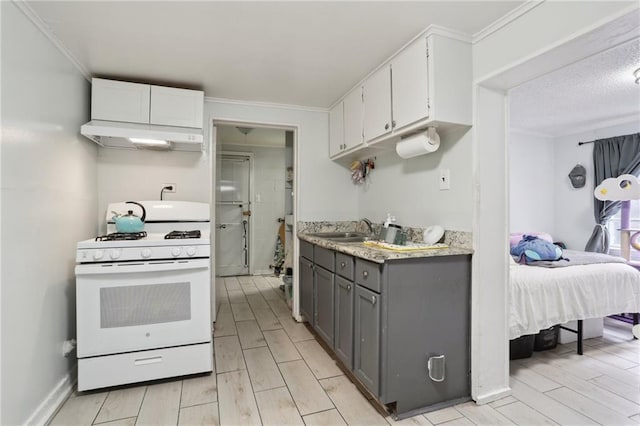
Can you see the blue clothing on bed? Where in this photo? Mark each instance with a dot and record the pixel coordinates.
(532, 248)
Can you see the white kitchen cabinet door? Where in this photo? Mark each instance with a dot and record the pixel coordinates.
(410, 85)
(176, 107)
(377, 104)
(353, 118)
(336, 129)
(119, 101)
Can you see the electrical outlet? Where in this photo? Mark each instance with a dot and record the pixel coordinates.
(172, 185)
(445, 179)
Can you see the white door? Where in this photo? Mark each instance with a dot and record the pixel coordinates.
(233, 210)
(377, 104)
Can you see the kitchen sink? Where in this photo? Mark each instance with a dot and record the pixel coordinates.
(342, 237)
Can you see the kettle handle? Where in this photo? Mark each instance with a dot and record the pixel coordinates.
(144, 212)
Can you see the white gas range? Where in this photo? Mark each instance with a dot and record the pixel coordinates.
(143, 302)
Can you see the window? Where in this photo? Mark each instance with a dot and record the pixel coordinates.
(613, 226)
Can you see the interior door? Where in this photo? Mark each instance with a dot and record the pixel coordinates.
(233, 213)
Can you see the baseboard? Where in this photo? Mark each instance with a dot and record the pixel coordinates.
(47, 408)
(492, 396)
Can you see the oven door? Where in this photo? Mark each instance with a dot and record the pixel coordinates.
(132, 306)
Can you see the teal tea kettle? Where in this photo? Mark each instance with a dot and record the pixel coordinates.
(129, 223)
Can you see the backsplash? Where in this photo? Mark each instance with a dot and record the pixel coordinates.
(451, 238)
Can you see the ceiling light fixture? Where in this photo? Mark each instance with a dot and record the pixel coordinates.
(636, 74)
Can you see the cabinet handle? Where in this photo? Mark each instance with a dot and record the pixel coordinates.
(365, 274)
(342, 265)
(386, 126)
(348, 287)
(393, 124)
(373, 300)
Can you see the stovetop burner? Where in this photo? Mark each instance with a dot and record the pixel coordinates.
(121, 236)
(178, 235)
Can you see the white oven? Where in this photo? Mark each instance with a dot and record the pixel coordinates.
(143, 299)
(133, 306)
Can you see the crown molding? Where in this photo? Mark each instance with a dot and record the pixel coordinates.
(505, 20)
(48, 33)
(265, 104)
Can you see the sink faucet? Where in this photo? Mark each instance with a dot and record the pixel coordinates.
(369, 225)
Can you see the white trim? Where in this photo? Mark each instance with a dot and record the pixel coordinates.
(48, 33)
(265, 104)
(505, 20)
(526, 132)
(50, 405)
(486, 79)
(600, 124)
(492, 396)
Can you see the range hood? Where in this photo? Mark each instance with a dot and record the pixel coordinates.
(115, 134)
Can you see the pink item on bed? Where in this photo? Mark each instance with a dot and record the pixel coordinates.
(514, 238)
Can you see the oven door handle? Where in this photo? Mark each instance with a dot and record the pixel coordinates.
(141, 267)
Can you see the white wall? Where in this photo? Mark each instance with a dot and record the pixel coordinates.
(132, 175)
(410, 190)
(532, 183)
(553, 23)
(48, 204)
(573, 214)
(268, 179)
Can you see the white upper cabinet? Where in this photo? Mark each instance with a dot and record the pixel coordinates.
(377, 104)
(410, 86)
(142, 103)
(425, 84)
(353, 119)
(120, 101)
(336, 129)
(345, 124)
(176, 107)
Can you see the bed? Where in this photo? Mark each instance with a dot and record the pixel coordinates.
(543, 297)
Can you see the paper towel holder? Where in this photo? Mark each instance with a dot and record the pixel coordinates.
(424, 141)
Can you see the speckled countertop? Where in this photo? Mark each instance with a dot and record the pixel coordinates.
(459, 243)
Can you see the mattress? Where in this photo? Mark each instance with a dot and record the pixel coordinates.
(542, 297)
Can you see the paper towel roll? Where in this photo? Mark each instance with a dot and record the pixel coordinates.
(422, 143)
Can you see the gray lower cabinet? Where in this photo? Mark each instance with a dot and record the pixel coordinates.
(324, 281)
(366, 363)
(306, 289)
(343, 320)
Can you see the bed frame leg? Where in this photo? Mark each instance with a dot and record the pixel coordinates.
(579, 337)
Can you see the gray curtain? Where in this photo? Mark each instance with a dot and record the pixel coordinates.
(612, 157)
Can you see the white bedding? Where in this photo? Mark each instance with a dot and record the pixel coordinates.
(542, 297)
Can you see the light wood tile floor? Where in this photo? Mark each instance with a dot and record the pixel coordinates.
(271, 371)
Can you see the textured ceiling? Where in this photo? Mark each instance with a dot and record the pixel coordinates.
(595, 92)
(300, 53)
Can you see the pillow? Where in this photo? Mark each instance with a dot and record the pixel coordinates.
(514, 238)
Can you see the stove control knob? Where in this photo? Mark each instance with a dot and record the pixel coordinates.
(115, 253)
(191, 251)
(97, 255)
(145, 253)
(176, 251)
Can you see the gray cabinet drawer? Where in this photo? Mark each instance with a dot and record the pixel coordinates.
(368, 274)
(306, 250)
(325, 258)
(344, 266)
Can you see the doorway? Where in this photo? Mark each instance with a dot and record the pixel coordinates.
(254, 199)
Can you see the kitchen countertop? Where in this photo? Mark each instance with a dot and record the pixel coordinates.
(380, 255)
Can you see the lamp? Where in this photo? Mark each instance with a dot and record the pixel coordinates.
(636, 74)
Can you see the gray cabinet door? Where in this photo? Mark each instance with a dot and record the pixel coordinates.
(324, 304)
(343, 318)
(306, 289)
(366, 363)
